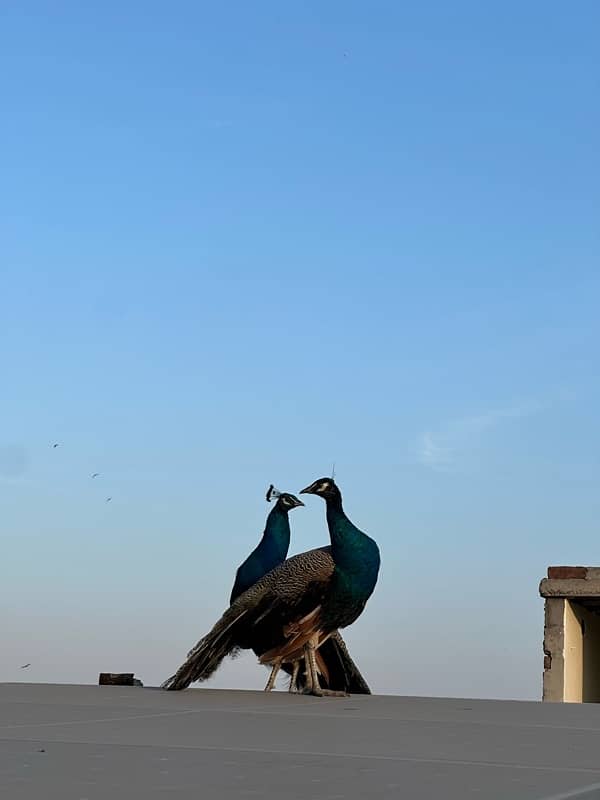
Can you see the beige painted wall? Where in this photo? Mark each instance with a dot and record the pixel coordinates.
(573, 687)
(591, 653)
(582, 655)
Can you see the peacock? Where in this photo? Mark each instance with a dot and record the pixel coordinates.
(293, 611)
(272, 548)
(338, 667)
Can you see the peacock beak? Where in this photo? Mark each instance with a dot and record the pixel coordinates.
(297, 502)
(312, 489)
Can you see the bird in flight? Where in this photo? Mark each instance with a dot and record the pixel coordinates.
(24, 666)
(95, 474)
(108, 499)
(55, 445)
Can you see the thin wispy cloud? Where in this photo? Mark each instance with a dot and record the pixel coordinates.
(440, 449)
(14, 461)
(432, 453)
(18, 481)
(219, 123)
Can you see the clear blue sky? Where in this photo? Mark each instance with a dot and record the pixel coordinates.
(241, 241)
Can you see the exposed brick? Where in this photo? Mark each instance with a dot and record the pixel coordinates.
(562, 573)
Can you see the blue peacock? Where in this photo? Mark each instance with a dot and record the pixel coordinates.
(291, 615)
(272, 548)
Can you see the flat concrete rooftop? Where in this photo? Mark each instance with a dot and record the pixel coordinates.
(62, 742)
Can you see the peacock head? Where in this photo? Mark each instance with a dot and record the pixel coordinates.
(285, 500)
(325, 488)
(289, 501)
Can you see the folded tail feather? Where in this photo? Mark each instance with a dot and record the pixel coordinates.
(205, 657)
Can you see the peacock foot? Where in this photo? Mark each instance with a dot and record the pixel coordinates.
(318, 692)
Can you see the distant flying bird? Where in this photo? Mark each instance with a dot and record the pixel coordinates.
(108, 499)
(55, 445)
(95, 474)
(25, 666)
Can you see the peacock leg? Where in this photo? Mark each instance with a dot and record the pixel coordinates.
(272, 676)
(294, 680)
(312, 669)
(308, 689)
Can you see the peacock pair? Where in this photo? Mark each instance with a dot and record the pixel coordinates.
(288, 611)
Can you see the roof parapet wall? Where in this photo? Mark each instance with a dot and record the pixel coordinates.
(571, 582)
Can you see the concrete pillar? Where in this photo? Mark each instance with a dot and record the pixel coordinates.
(554, 651)
(571, 635)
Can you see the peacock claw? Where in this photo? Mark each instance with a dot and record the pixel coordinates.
(324, 692)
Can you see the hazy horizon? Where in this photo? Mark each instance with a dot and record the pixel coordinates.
(240, 244)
